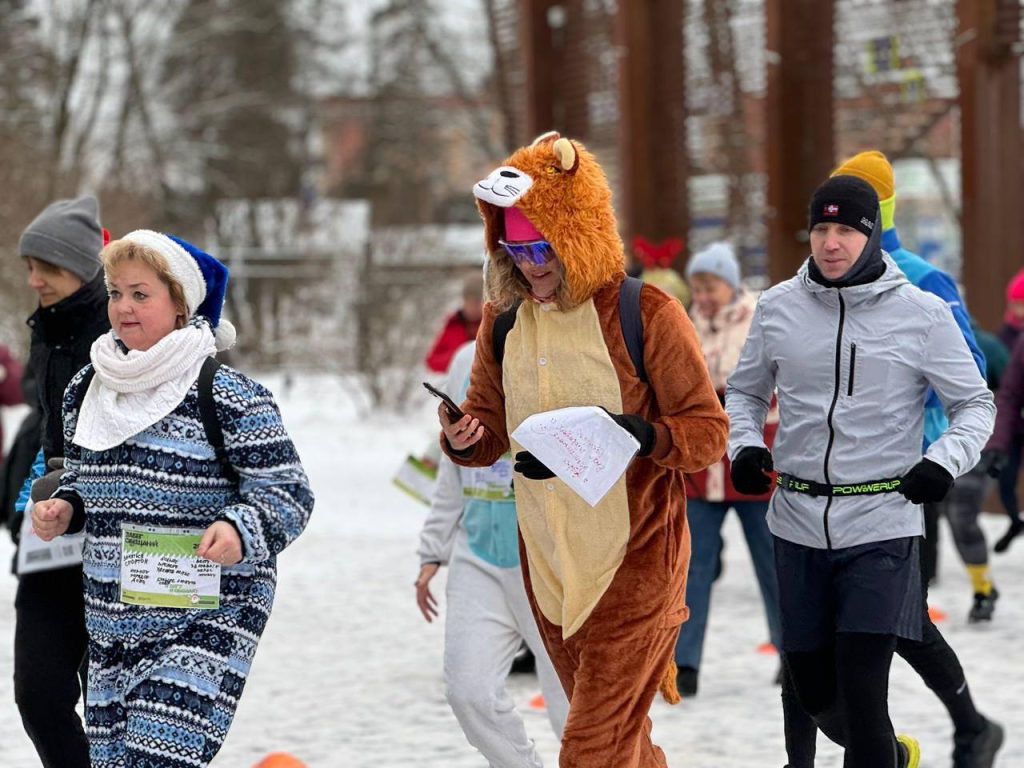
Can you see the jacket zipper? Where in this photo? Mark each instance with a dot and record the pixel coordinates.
(832, 410)
(853, 369)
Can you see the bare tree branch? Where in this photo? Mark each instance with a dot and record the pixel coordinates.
(85, 133)
(79, 33)
(138, 93)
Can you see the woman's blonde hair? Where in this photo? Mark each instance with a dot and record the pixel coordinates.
(506, 285)
(119, 252)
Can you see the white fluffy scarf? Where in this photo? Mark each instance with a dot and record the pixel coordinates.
(135, 390)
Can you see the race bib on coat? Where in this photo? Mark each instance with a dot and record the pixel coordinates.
(160, 568)
(493, 483)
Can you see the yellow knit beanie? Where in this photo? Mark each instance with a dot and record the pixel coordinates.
(874, 168)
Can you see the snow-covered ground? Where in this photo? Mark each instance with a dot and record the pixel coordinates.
(349, 675)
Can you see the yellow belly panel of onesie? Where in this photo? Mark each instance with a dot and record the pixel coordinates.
(573, 549)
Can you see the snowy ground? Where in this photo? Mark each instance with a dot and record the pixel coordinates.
(349, 675)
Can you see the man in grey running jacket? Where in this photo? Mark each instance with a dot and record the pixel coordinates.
(851, 347)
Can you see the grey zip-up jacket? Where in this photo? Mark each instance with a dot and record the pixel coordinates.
(851, 368)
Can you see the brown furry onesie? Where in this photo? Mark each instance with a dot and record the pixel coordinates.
(606, 583)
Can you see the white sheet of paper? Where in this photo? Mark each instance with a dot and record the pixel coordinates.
(583, 446)
(36, 555)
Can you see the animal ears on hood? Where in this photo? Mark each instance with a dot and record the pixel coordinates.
(566, 152)
(567, 155)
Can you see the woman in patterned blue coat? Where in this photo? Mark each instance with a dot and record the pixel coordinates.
(164, 682)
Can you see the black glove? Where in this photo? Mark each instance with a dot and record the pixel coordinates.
(926, 483)
(994, 461)
(47, 485)
(638, 427)
(750, 471)
(529, 467)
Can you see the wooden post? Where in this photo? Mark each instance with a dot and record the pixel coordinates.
(800, 150)
(652, 109)
(541, 59)
(990, 154)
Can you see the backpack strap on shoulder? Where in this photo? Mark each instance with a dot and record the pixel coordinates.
(502, 325)
(632, 323)
(208, 413)
(83, 387)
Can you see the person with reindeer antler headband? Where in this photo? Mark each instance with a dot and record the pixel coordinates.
(565, 327)
(655, 261)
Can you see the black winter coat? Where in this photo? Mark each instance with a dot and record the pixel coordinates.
(62, 336)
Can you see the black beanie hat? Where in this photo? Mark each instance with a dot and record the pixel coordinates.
(846, 200)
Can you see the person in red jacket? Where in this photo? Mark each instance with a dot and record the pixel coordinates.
(721, 312)
(1005, 449)
(460, 327)
(10, 385)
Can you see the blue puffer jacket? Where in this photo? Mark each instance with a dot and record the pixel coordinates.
(38, 470)
(933, 280)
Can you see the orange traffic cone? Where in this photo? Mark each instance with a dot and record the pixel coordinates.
(936, 614)
(767, 648)
(280, 760)
(537, 702)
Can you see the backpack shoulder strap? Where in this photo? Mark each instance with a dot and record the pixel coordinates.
(502, 325)
(633, 323)
(208, 413)
(83, 387)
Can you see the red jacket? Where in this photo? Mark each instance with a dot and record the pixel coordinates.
(721, 340)
(10, 384)
(715, 484)
(456, 332)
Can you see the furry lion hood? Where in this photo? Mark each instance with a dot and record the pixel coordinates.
(560, 187)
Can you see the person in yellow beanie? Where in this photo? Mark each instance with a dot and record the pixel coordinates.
(976, 739)
(873, 167)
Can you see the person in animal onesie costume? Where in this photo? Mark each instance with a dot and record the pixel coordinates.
(606, 583)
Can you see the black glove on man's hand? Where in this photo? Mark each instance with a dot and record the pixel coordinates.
(528, 466)
(750, 471)
(638, 427)
(926, 483)
(994, 461)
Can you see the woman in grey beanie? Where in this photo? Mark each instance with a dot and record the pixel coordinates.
(61, 250)
(68, 235)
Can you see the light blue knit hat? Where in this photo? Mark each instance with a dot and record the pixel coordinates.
(718, 259)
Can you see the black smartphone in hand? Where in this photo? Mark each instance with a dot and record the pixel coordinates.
(454, 412)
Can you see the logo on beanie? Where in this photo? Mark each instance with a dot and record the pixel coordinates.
(831, 210)
(867, 223)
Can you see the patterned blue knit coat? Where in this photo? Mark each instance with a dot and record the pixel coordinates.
(164, 683)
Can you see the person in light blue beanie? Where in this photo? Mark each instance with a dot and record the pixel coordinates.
(718, 259)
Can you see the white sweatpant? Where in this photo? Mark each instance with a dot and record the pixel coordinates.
(487, 618)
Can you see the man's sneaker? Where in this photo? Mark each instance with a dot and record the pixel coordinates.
(1016, 529)
(979, 752)
(984, 606)
(911, 751)
(524, 662)
(686, 681)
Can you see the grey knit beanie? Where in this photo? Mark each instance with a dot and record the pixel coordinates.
(67, 234)
(717, 259)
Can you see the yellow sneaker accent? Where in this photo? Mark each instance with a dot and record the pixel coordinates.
(913, 748)
(981, 579)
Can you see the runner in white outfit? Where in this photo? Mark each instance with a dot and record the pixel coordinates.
(472, 527)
